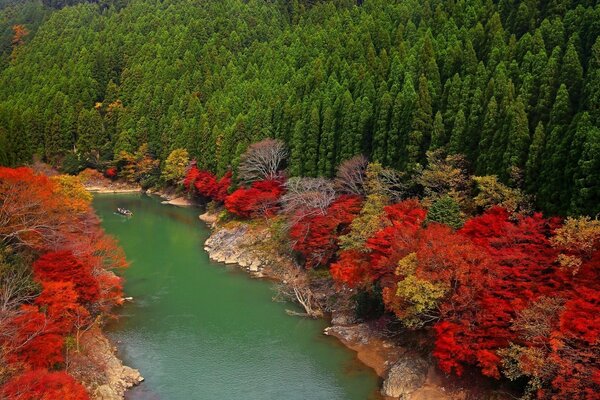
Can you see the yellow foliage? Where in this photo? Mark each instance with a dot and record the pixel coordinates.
(175, 165)
(408, 265)
(419, 297)
(369, 220)
(75, 195)
(491, 192)
(579, 236)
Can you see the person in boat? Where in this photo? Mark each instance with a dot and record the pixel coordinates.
(124, 211)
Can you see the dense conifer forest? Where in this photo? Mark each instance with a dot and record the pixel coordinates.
(395, 153)
(514, 86)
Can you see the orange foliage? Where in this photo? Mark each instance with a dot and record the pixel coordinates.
(43, 385)
(19, 34)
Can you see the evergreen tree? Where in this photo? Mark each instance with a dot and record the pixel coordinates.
(571, 73)
(438, 134)
(381, 128)
(457, 137)
(515, 154)
(422, 126)
(534, 159)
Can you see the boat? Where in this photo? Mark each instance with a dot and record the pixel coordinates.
(124, 211)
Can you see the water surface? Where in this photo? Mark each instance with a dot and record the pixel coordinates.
(200, 330)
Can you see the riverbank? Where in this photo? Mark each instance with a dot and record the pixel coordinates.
(406, 374)
(98, 367)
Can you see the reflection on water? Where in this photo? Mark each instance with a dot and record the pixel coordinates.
(197, 330)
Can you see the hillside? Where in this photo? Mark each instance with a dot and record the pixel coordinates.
(512, 85)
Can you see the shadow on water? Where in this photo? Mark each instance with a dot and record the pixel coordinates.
(197, 330)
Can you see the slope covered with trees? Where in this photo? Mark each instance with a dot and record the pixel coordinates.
(56, 284)
(511, 85)
(493, 285)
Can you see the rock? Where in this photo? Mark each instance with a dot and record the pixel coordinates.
(208, 218)
(100, 370)
(105, 392)
(254, 267)
(343, 318)
(406, 376)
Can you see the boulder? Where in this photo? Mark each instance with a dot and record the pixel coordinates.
(405, 376)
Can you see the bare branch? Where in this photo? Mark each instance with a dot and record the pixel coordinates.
(262, 160)
(307, 196)
(350, 176)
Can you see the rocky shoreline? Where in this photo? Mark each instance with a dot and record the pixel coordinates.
(99, 368)
(405, 374)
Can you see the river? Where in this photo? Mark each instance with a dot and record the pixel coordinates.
(201, 330)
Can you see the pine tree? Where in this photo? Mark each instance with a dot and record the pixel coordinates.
(326, 147)
(536, 151)
(381, 129)
(438, 134)
(311, 147)
(490, 125)
(586, 196)
(552, 186)
(457, 137)
(515, 154)
(422, 126)
(571, 73)
(90, 131)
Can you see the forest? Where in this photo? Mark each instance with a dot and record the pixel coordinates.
(56, 283)
(440, 158)
(511, 85)
(497, 286)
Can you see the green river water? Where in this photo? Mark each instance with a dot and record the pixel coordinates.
(200, 330)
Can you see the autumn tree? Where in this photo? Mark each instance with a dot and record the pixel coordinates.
(31, 214)
(262, 161)
(307, 196)
(316, 235)
(261, 199)
(175, 166)
(369, 220)
(350, 176)
(44, 385)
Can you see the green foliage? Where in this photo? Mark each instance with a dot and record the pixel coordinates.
(445, 210)
(391, 80)
(369, 303)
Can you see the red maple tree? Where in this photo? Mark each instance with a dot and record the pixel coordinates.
(43, 385)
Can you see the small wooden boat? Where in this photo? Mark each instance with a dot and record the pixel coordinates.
(124, 211)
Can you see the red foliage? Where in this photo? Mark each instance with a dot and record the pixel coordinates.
(581, 316)
(351, 268)
(59, 300)
(43, 385)
(363, 268)
(523, 270)
(447, 349)
(33, 343)
(206, 184)
(37, 213)
(261, 199)
(316, 236)
(190, 177)
(222, 188)
(111, 173)
(62, 266)
(31, 214)
(407, 213)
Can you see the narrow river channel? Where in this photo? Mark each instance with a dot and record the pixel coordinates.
(200, 330)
